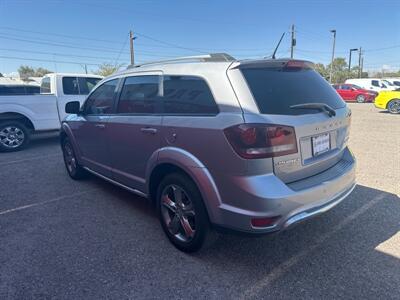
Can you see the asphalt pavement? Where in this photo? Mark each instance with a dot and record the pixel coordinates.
(65, 239)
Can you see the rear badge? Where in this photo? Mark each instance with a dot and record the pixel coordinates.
(287, 162)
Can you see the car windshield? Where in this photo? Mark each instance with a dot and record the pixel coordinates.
(388, 83)
(276, 90)
(357, 87)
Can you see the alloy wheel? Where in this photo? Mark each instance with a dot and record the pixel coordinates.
(12, 137)
(394, 106)
(178, 213)
(69, 158)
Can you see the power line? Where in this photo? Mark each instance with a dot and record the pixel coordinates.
(49, 61)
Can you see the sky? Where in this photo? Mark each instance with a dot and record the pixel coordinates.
(63, 36)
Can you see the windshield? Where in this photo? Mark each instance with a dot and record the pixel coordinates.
(277, 89)
(388, 83)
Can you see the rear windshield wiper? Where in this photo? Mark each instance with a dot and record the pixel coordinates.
(320, 106)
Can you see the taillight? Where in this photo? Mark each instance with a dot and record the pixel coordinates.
(262, 140)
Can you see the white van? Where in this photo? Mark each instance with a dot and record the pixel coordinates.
(373, 84)
(395, 81)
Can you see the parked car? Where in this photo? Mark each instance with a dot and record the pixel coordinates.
(18, 89)
(22, 115)
(354, 93)
(373, 84)
(253, 146)
(389, 100)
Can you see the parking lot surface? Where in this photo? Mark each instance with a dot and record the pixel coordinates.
(91, 240)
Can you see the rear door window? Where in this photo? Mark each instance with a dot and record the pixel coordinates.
(140, 95)
(188, 95)
(275, 89)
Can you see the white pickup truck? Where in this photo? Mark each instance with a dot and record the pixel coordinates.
(23, 115)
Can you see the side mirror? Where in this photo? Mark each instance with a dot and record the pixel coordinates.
(73, 107)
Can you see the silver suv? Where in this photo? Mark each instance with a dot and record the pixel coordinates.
(253, 146)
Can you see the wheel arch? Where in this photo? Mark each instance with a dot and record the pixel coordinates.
(170, 159)
(14, 116)
(387, 103)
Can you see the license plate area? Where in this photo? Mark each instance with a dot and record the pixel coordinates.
(320, 144)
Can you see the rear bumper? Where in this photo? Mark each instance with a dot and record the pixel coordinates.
(267, 196)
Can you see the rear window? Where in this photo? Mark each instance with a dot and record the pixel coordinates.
(78, 85)
(276, 89)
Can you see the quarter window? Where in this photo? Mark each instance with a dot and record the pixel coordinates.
(140, 95)
(188, 95)
(101, 101)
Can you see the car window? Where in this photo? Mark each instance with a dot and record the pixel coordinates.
(345, 87)
(188, 95)
(276, 89)
(45, 86)
(86, 84)
(140, 95)
(70, 85)
(375, 83)
(396, 83)
(78, 85)
(101, 101)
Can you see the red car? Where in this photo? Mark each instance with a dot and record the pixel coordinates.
(351, 92)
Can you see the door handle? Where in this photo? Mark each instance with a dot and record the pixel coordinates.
(101, 126)
(148, 130)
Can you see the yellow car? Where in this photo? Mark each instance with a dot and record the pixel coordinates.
(389, 100)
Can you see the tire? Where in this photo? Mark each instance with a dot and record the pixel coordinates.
(360, 99)
(74, 170)
(394, 106)
(175, 218)
(14, 136)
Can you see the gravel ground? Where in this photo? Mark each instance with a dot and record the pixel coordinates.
(64, 239)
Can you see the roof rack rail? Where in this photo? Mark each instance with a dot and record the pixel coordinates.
(212, 57)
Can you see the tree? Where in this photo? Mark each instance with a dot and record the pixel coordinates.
(107, 69)
(40, 72)
(1, 75)
(26, 71)
(320, 68)
(340, 72)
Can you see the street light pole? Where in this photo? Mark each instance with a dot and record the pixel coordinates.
(333, 54)
(351, 50)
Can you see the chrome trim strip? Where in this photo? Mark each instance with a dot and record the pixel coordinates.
(137, 192)
(307, 214)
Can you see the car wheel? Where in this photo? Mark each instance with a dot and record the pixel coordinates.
(75, 171)
(394, 106)
(14, 136)
(182, 213)
(360, 99)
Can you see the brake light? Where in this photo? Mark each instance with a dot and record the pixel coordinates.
(296, 64)
(262, 140)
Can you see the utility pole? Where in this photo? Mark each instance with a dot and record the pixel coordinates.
(359, 63)
(333, 54)
(131, 38)
(293, 42)
(86, 68)
(362, 64)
